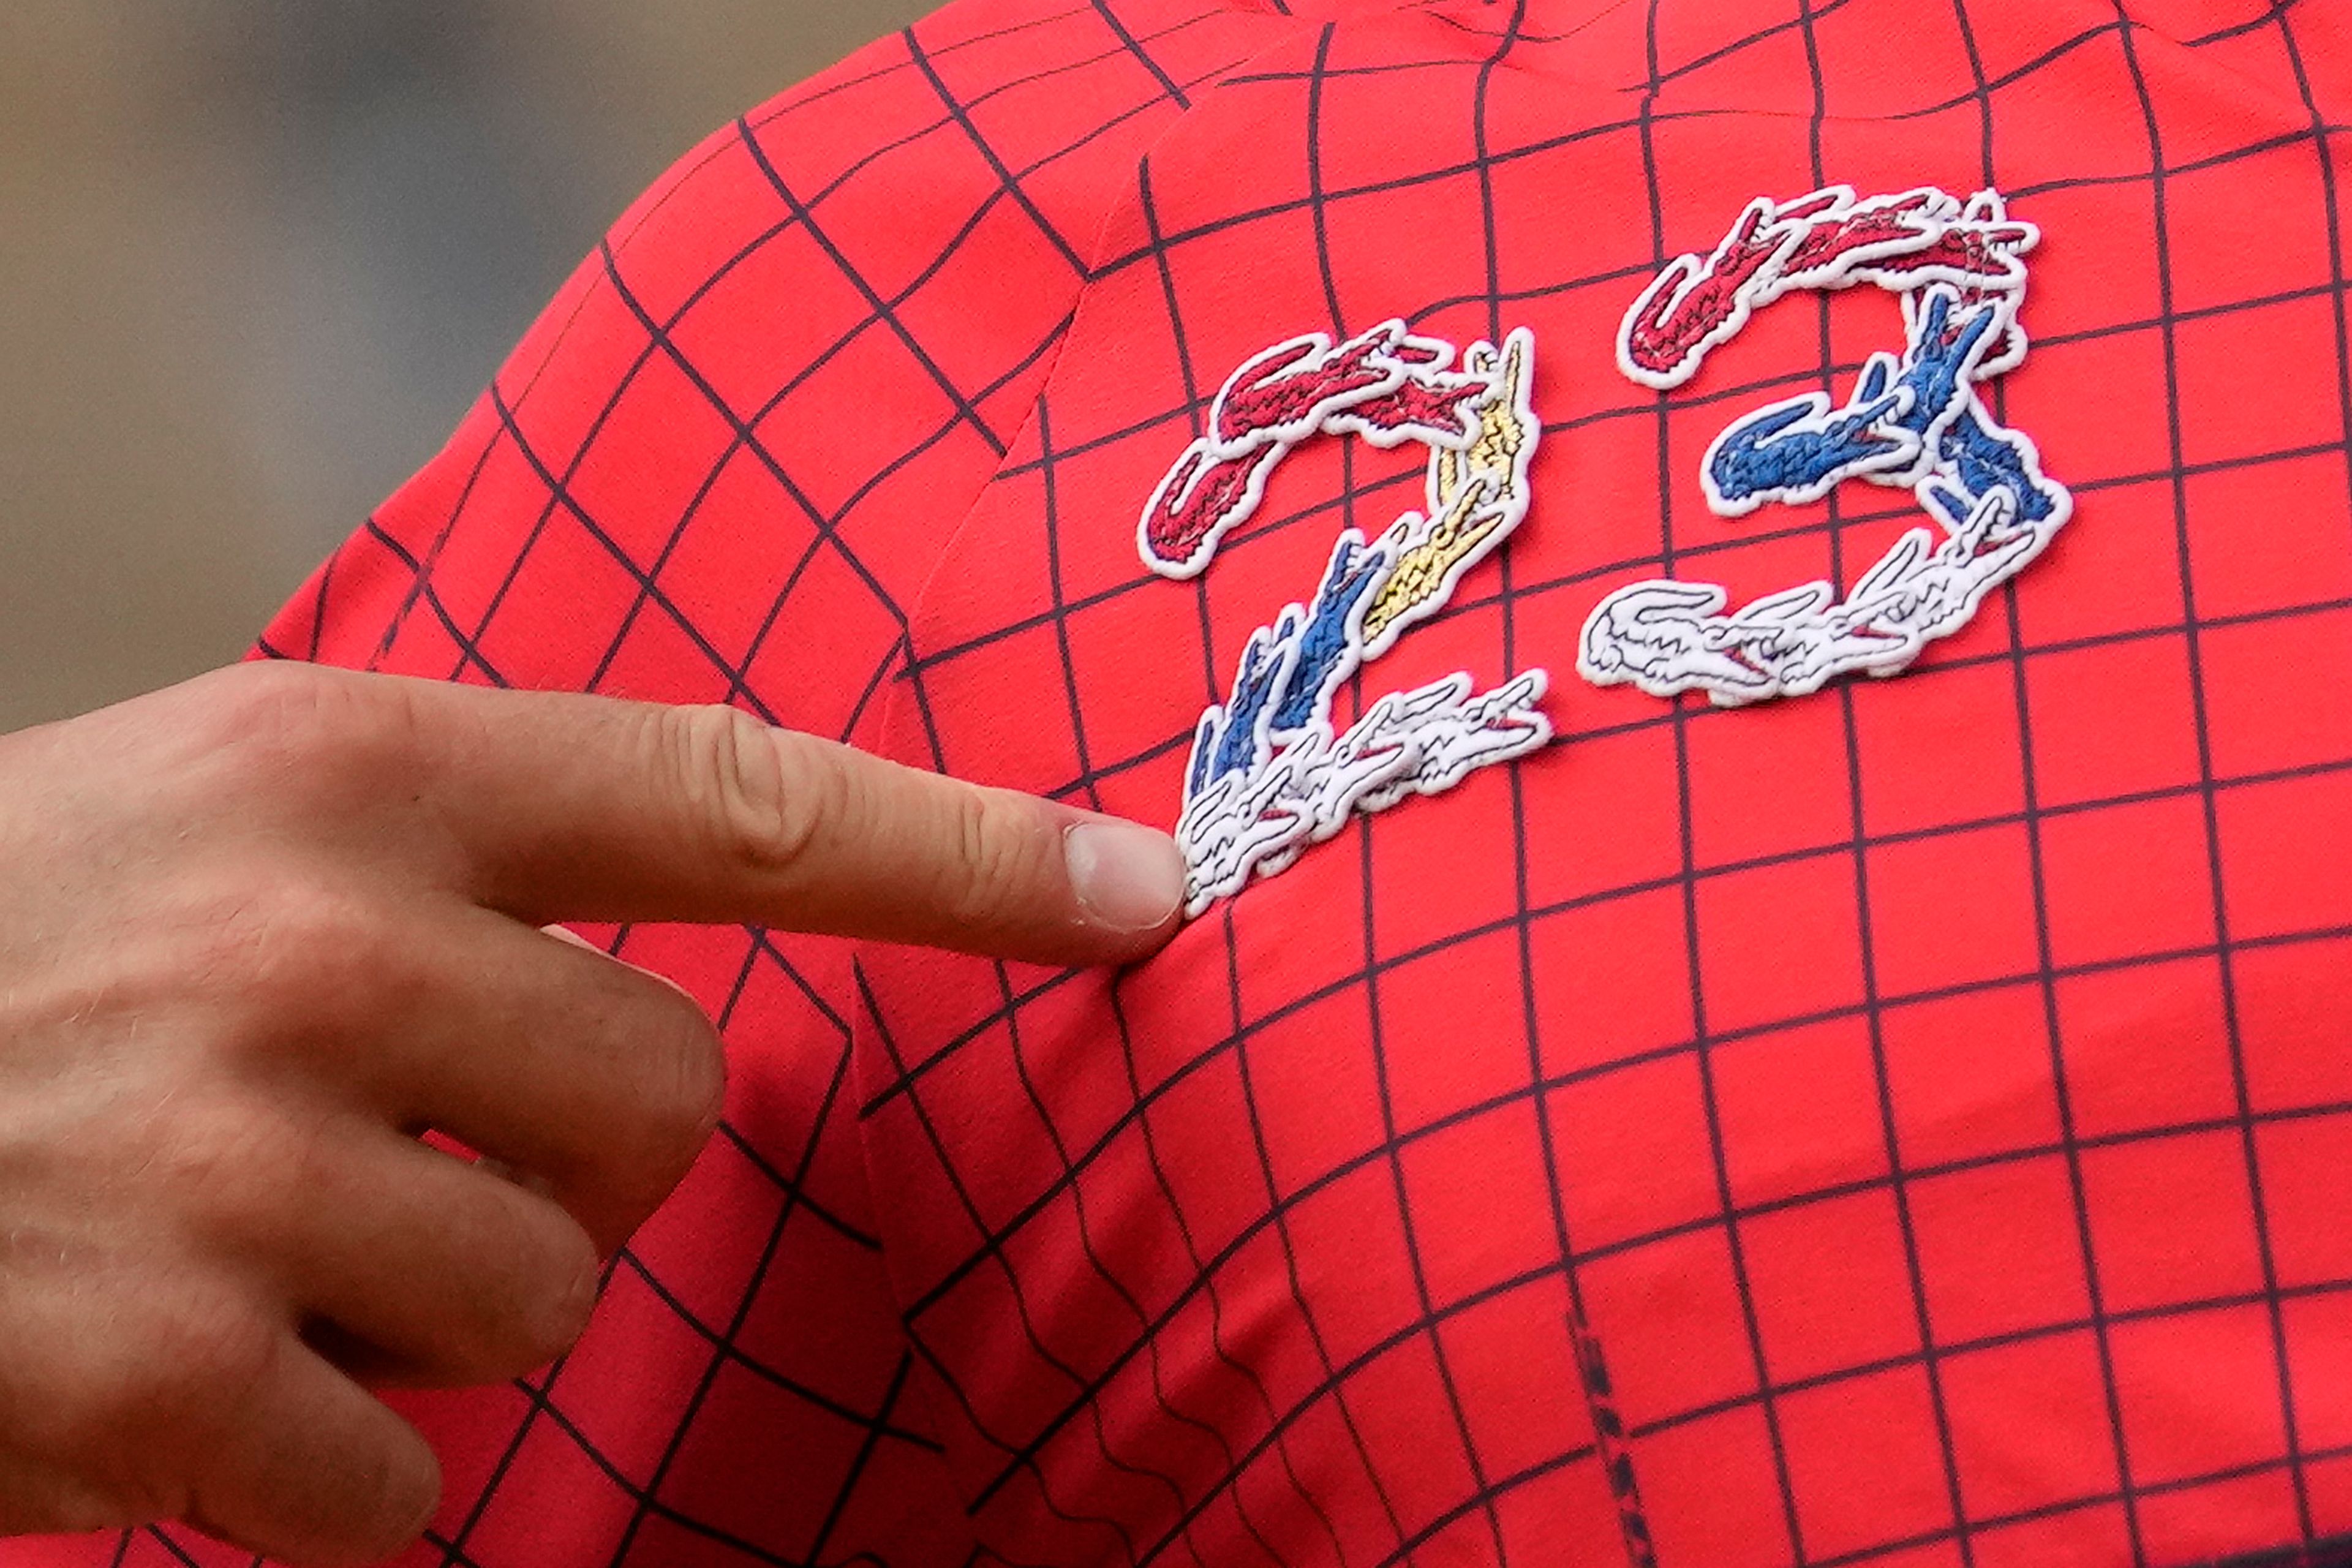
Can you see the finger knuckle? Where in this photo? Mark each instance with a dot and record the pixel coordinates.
(685, 1092)
(277, 724)
(675, 1094)
(535, 1274)
(390, 1500)
(256, 702)
(559, 1291)
(761, 800)
(230, 1171)
(994, 855)
(295, 953)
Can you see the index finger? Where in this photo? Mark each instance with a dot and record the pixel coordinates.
(570, 807)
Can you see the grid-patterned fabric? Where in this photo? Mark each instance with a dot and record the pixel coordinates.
(1904, 1125)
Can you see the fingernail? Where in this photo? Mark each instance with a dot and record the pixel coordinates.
(1128, 877)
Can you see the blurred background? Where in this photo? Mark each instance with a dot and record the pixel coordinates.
(256, 257)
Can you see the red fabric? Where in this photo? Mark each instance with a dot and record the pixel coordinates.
(1904, 1124)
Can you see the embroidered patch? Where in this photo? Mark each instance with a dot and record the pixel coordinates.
(1270, 775)
(1914, 422)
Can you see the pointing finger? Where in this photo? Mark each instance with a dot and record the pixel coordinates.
(569, 807)
(648, 813)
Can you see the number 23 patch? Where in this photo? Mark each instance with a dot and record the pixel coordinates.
(1271, 773)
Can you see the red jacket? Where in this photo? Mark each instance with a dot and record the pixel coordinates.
(1702, 1106)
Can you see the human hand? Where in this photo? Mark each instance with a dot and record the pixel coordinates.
(258, 930)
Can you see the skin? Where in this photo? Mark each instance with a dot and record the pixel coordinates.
(259, 931)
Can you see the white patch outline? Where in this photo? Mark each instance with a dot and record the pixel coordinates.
(1923, 447)
(1382, 346)
(1303, 783)
(1423, 741)
(1241, 511)
(1903, 456)
(1680, 278)
(1511, 505)
(1785, 224)
(1666, 637)
(1792, 642)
